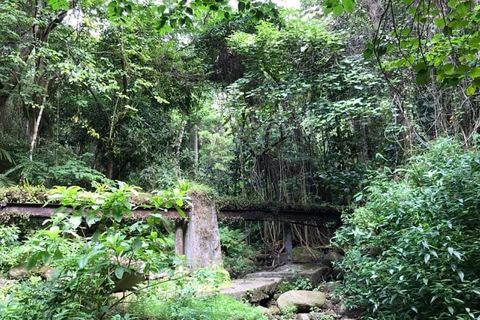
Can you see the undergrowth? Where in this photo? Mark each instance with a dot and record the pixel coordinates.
(218, 307)
(412, 251)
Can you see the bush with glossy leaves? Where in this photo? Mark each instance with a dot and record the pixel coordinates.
(412, 250)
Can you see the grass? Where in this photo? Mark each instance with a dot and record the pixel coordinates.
(217, 307)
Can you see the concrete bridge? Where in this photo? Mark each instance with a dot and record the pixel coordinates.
(197, 237)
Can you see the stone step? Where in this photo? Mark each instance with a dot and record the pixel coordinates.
(288, 272)
(253, 290)
(262, 285)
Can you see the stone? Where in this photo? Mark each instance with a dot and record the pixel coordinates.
(128, 281)
(274, 310)
(303, 300)
(330, 258)
(290, 272)
(18, 272)
(46, 272)
(265, 311)
(306, 255)
(6, 282)
(302, 316)
(252, 290)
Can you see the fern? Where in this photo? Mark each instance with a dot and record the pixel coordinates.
(6, 156)
(5, 182)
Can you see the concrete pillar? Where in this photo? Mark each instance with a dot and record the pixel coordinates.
(288, 240)
(202, 245)
(179, 237)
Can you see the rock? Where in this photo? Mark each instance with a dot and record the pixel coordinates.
(18, 272)
(306, 255)
(6, 282)
(249, 263)
(331, 257)
(254, 290)
(274, 310)
(46, 272)
(302, 316)
(350, 313)
(301, 299)
(291, 272)
(128, 281)
(265, 311)
(325, 315)
(202, 241)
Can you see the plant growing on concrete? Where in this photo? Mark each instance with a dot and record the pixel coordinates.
(297, 284)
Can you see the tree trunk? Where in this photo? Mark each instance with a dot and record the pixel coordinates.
(179, 146)
(110, 165)
(35, 133)
(195, 149)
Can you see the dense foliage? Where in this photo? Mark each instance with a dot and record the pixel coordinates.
(92, 100)
(265, 105)
(412, 251)
(87, 268)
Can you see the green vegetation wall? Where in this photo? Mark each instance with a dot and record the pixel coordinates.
(412, 249)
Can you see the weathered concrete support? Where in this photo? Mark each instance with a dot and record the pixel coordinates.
(179, 237)
(288, 240)
(202, 245)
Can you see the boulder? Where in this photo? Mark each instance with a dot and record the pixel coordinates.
(18, 272)
(302, 316)
(330, 258)
(306, 255)
(6, 282)
(46, 272)
(254, 290)
(266, 312)
(302, 300)
(274, 310)
(128, 281)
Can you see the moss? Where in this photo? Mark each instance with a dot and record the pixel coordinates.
(20, 194)
(204, 195)
(238, 203)
(306, 255)
(40, 195)
(23, 221)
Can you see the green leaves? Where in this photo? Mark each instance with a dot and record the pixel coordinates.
(348, 5)
(423, 73)
(338, 6)
(415, 234)
(59, 4)
(119, 271)
(475, 72)
(119, 11)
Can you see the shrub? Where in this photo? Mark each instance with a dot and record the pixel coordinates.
(236, 253)
(89, 269)
(297, 284)
(412, 250)
(10, 253)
